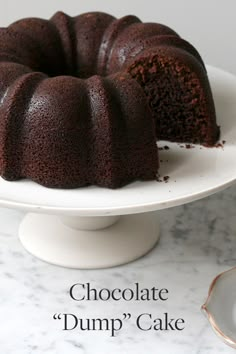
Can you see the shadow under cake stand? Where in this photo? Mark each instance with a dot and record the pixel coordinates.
(96, 228)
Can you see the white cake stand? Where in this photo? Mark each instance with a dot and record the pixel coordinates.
(96, 228)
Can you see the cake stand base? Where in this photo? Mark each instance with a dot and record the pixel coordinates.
(89, 242)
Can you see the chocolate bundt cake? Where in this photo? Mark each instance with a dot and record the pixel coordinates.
(67, 132)
(83, 99)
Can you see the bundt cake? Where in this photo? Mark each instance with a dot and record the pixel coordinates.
(83, 99)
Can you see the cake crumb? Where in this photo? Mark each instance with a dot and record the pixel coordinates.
(189, 146)
(166, 178)
(163, 148)
(223, 142)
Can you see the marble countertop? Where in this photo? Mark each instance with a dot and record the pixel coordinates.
(198, 241)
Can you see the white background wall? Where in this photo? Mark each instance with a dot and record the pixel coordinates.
(209, 24)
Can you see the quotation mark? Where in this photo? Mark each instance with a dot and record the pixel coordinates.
(126, 316)
(57, 316)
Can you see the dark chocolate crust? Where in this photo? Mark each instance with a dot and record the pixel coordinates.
(75, 101)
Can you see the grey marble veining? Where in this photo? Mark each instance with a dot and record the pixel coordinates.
(198, 241)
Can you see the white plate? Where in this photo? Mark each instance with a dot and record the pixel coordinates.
(220, 306)
(194, 173)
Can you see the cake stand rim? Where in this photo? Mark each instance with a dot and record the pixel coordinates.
(123, 210)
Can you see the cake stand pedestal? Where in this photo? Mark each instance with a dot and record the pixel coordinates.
(95, 228)
(88, 242)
